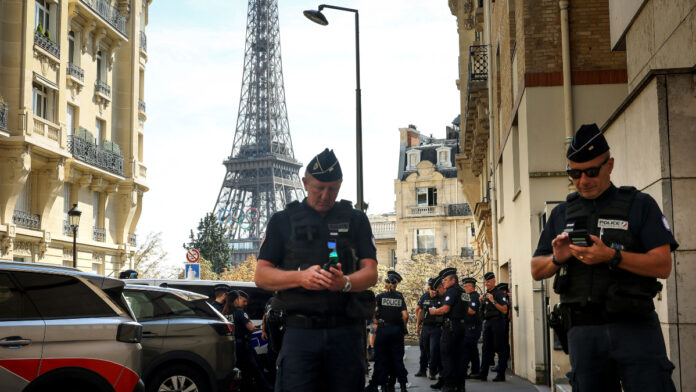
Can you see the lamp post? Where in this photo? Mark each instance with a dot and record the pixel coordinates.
(74, 215)
(318, 17)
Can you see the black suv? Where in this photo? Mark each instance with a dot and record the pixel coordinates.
(187, 345)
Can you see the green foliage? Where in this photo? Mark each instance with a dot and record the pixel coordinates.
(47, 34)
(211, 242)
(40, 29)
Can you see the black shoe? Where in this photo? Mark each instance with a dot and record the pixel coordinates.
(402, 387)
(438, 384)
(421, 373)
(433, 376)
(499, 378)
(479, 376)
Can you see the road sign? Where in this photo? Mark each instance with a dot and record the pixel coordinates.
(193, 271)
(192, 255)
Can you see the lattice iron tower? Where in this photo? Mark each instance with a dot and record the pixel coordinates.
(262, 173)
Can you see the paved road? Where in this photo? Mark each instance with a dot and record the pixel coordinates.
(422, 384)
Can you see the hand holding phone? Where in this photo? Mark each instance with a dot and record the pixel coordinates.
(580, 238)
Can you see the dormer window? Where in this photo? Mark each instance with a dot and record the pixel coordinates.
(413, 158)
(443, 157)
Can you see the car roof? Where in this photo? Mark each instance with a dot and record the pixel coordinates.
(196, 282)
(183, 294)
(100, 281)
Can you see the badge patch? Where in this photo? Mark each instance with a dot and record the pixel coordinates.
(374, 243)
(612, 224)
(666, 224)
(447, 298)
(339, 227)
(391, 302)
(465, 297)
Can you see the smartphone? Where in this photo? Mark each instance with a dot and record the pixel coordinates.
(333, 256)
(580, 238)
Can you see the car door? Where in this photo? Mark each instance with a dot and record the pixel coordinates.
(21, 336)
(153, 319)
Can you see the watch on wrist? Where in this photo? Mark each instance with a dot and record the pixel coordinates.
(348, 286)
(614, 262)
(554, 261)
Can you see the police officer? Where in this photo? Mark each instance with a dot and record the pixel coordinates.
(494, 307)
(220, 295)
(455, 306)
(391, 317)
(272, 330)
(326, 304)
(607, 281)
(247, 360)
(473, 324)
(429, 329)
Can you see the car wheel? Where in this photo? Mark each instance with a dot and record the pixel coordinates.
(178, 378)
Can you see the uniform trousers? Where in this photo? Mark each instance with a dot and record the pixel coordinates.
(454, 355)
(321, 360)
(628, 354)
(389, 354)
(473, 333)
(494, 341)
(430, 348)
(248, 363)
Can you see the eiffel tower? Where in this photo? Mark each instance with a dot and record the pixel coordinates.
(262, 173)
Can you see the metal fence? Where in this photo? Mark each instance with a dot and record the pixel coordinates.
(143, 41)
(46, 44)
(3, 116)
(76, 71)
(99, 234)
(478, 62)
(26, 220)
(103, 88)
(91, 153)
(109, 13)
(462, 209)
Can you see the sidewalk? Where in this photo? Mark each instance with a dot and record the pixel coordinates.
(422, 384)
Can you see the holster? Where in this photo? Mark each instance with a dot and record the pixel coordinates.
(447, 324)
(559, 321)
(561, 280)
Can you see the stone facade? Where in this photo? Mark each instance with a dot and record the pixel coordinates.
(72, 78)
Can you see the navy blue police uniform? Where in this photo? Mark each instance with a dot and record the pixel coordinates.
(247, 359)
(321, 347)
(431, 331)
(615, 339)
(494, 334)
(389, 340)
(474, 325)
(274, 320)
(218, 288)
(452, 340)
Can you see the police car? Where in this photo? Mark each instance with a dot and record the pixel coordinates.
(255, 309)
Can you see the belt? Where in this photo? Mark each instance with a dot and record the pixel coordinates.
(493, 317)
(312, 322)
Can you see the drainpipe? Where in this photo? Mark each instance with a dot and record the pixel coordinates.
(491, 148)
(567, 88)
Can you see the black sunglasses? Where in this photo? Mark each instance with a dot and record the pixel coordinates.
(590, 171)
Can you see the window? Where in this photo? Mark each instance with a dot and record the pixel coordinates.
(426, 196)
(515, 161)
(60, 296)
(41, 15)
(425, 240)
(141, 305)
(40, 101)
(501, 193)
(66, 200)
(14, 304)
(100, 68)
(392, 258)
(95, 209)
(444, 243)
(70, 121)
(443, 157)
(413, 158)
(24, 200)
(99, 127)
(71, 47)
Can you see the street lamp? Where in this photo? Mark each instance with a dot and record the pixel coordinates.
(74, 215)
(318, 17)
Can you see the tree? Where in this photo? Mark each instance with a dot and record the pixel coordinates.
(211, 242)
(149, 258)
(243, 272)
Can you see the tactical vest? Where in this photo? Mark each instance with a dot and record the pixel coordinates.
(427, 318)
(389, 306)
(473, 319)
(461, 307)
(308, 246)
(489, 309)
(619, 290)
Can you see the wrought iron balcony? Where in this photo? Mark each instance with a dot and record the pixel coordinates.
(26, 220)
(462, 209)
(76, 72)
(132, 239)
(422, 251)
(3, 116)
(109, 13)
(67, 230)
(467, 252)
(143, 41)
(46, 44)
(99, 234)
(102, 88)
(478, 63)
(91, 153)
(141, 106)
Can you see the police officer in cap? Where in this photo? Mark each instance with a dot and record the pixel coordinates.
(429, 329)
(503, 288)
(473, 324)
(607, 281)
(272, 330)
(455, 307)
(220, 295)
(325, 302)
(494, 307)
(247, 360)
(391, 317)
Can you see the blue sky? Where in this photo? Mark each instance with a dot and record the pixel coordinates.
(408, 51)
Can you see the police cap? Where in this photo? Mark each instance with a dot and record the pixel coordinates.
(587, 144)
(325, 167)
(221, 287)
(502, 286)
(395, 275)
(431, 281)
(436, 283)
(469, 280)
(234, 294)
(448, 271)
(488, 276)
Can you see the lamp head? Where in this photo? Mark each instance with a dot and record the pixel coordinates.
(74, 215)
(316, 16)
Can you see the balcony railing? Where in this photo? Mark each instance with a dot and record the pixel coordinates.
(102, 88)
(76, 72)
(99, 234)
(422, 251)
(143, 41)
(67, 230)
(3, 116)
(478, 62)
(462, 209)
(46, 128)
(467, 252)
(426, 210)
(46, 44)
(384, 229)
(132, 239)
(91, 153)
(109, 13)
(141, 106)
(26, 220)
